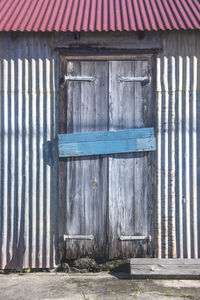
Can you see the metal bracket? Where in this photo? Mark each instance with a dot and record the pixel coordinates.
(145, 79)
(78, 237)
(135, 237)
(77, 78)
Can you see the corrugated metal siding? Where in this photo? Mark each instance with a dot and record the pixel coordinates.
(28, 165)
(178, 138)
(98, 15)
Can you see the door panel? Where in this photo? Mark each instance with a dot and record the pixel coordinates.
(107, 196)
(128, 180)
(86, 178)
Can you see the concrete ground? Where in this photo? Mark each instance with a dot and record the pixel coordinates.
(93, 286)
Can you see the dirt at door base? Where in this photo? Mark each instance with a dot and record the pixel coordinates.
(86, 264)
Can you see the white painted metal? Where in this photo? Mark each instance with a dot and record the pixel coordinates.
(41, 167)
(13, 146)
(172, 167)
(28, 184)
(166, 158)
(19, 144)
(180, 155)
(178, 94)
(159, 128)
(194, 157)
(48, 169)
(5, 137)
(34, 151)
(187, 157)
(27, 158)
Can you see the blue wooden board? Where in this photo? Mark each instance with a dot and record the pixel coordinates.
(106, 142)
(106, 135)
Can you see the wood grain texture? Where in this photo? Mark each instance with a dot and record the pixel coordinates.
(129, 175)
(106, 135)
(86, 179)
(111, 195)
(106, 142)
(165, 268)
(163, 261)
(107, 147)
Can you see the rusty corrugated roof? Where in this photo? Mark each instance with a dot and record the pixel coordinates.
(98, 15)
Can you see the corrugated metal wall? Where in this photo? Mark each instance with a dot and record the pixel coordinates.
(28, 186)
(28, 160)
(178, 141)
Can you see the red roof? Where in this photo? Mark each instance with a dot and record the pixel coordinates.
(98, 15)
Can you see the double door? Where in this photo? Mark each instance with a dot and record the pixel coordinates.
(107, 200)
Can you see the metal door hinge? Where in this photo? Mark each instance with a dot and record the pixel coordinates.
(78, 237)
(77, 78)
(144, 80)
(135, 237)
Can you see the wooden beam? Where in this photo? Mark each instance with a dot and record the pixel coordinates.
(165, 268)
(106, 142)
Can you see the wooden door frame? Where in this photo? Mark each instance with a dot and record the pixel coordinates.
(101, 54)
(93, 50)
(122, 57)
(105, 54)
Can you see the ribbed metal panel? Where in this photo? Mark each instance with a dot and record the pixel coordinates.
(98, 15)
(28, 182)
(28, 159)
(178, 140)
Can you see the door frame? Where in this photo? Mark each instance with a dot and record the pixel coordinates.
(97, 54)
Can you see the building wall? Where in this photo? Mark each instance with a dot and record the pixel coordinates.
(178, 141)
(29, 109)
(28, 177)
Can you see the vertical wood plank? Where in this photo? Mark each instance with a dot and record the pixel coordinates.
(129, 175)
(107, 196)
(140, 177)
(120, 166)
(86, 178)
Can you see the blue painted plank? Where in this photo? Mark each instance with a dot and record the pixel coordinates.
(106, 135)
(107, 147)
(97, 146)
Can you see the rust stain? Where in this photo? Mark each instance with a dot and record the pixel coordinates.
(94, 185)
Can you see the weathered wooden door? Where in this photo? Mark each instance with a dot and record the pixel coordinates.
(107, 200)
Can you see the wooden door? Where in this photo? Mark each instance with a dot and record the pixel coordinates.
(130, 175)
(106, 198)
(84, 180)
